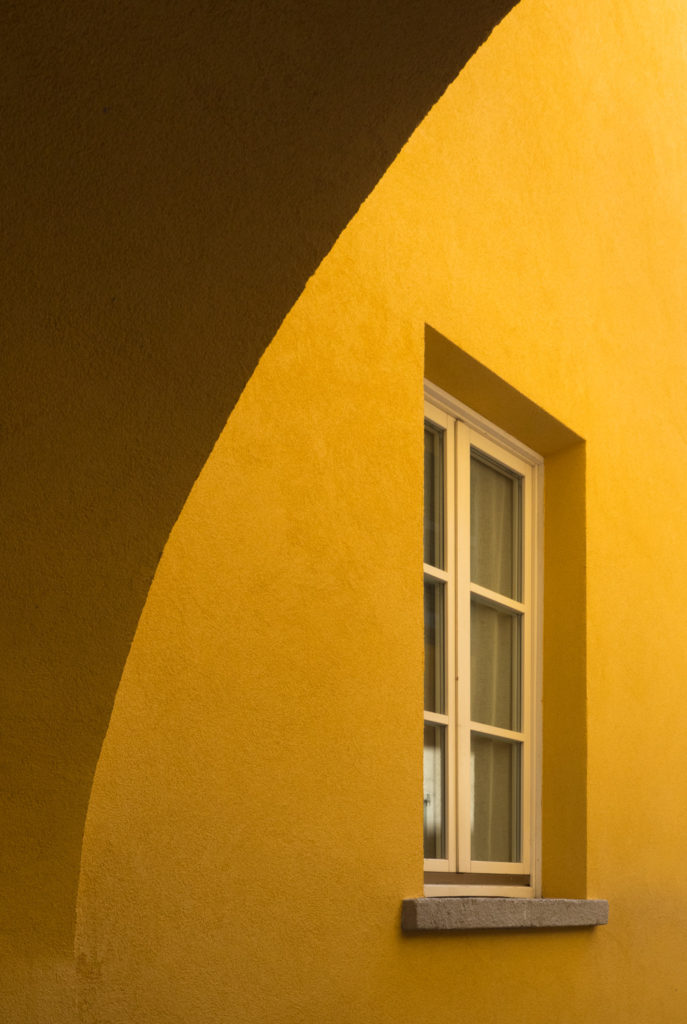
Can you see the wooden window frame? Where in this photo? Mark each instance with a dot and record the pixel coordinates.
(456, 873)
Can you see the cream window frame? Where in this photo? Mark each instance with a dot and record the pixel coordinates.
(465, 430)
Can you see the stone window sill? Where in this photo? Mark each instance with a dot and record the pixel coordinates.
(468, 913)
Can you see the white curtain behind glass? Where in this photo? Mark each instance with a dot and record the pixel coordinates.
(495, 659)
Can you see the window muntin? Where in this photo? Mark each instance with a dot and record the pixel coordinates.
(480, 644)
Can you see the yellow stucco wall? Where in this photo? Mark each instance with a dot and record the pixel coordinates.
(170, 177)
(254, 822)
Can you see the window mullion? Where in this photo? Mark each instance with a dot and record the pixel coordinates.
(529, 596)
(450, 520)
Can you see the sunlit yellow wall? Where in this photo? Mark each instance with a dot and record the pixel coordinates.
(254, 822)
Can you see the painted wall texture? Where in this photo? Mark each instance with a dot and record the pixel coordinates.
(171, 175)
(255, 817)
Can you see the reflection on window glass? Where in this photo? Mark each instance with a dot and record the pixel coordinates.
(435, 662)
(434, 496)
(434, 791)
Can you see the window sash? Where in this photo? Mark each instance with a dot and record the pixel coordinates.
(445, 423)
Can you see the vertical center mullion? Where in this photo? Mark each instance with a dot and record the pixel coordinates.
(462, 635)
(450, 564)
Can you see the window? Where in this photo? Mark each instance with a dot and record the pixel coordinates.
(482, 593)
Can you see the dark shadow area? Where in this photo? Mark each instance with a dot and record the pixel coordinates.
(171, 176)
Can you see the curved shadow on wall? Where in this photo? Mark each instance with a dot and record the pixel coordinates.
(172, 176)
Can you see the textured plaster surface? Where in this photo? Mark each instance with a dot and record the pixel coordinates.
(171, 175)
(255, 818)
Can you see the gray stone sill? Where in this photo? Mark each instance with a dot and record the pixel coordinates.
(467, 913)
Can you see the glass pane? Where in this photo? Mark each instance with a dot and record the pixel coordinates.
(496, 801)
(495, 530)
(435, 791)
(434, 496)
(494, 666)
(435, 646)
